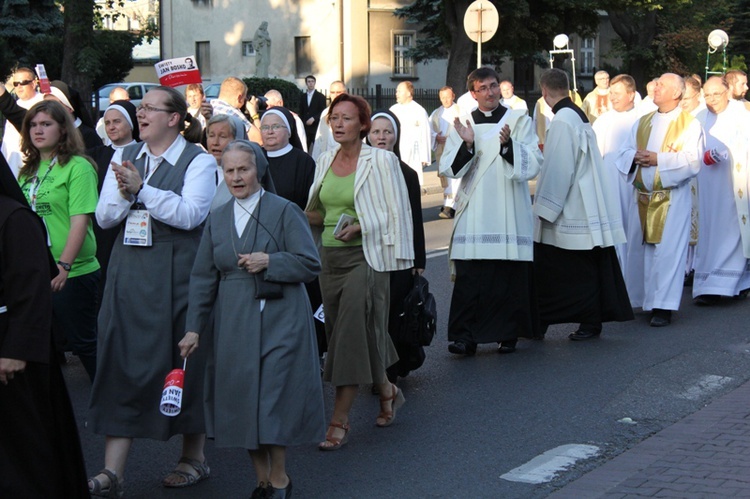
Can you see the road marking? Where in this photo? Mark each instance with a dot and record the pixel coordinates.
(707, 384)
(438, 252)
(546, 466)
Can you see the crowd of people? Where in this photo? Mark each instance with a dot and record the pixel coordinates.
(265, 251)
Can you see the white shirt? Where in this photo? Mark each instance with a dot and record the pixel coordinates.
(185, 211)
(11, 146)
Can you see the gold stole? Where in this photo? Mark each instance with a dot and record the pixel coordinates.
(654, 205)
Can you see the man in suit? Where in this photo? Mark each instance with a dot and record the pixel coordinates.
(311, 105)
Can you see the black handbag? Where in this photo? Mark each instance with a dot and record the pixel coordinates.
(418, 321)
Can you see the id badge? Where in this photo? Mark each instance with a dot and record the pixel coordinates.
(46, 231)
(137, 228)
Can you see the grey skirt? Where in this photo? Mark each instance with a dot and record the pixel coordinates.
(355, 303)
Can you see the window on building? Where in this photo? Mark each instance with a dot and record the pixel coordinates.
(248, 49)
(588, 59)
(203, 56)
(303, 55)
(203, 3)
(403, 65)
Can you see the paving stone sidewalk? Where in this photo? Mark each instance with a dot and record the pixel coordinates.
(706, 454)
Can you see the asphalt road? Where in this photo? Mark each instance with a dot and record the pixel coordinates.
(467, 421)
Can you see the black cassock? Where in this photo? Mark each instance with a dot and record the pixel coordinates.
(40, 453)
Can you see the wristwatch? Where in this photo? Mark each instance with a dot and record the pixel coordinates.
(65, 266)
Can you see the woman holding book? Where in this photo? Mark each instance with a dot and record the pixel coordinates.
(360, 203)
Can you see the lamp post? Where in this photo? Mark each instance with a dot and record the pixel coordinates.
(561, 47)
(717, 39)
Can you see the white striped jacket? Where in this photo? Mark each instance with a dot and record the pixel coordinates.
(382, 205)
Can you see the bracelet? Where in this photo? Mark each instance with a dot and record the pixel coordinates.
(139, 189)
(255, 117)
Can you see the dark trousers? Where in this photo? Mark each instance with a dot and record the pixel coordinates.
(74, 318)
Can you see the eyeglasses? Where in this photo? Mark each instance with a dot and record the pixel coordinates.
(22, 83)
(152, 109)
(714, 95)
(274, 127)
(484, 89)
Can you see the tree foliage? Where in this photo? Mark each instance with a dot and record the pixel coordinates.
(38, 32)
(525, 26)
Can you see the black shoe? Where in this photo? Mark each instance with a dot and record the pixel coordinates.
(706, 300)
(507, 346)
(261, 491)
(583, 335)
(274, 493)
(462, 348)
(688, 281)
(661, 318)
(446, 212)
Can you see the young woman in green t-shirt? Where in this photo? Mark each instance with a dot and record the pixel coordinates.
(60, 185)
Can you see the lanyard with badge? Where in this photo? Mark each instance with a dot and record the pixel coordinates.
(36, 184)
(138, 223)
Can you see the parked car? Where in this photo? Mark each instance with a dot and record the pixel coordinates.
(212, 90)
(136, 90)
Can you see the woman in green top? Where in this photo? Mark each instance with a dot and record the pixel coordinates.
(60, 185)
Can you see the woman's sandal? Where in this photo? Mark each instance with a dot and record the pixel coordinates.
(114, 489)
(337, 442)
(202, 472)
(397, 400)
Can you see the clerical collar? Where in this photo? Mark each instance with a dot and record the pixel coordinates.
(275, 154)
(677, 108)
(566, 102)
(488, 113)
(483, 117)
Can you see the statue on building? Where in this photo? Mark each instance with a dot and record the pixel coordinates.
(262, 46)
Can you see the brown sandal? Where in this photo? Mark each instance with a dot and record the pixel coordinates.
(337, 442)
(397, 400)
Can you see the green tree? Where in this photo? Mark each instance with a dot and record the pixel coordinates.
(22, 24)
(525, 28)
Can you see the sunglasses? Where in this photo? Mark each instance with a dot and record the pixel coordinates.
(22, 83)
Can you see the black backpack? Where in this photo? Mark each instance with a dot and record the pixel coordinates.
(419, 316)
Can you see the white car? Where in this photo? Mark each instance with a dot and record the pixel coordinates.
(136, 91)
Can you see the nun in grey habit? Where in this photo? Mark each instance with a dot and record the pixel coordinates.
(263, 388)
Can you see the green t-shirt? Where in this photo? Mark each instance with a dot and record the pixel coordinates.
(62, 192)
(337, 197)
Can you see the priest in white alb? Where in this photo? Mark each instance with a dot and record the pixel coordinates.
(494, 152)
(721, 256)
(612, 130)
(661, 155)
(416, 134)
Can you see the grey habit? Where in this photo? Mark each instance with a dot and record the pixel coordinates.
(142, 320)
(262, 380)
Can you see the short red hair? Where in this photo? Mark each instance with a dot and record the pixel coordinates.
(363, 109)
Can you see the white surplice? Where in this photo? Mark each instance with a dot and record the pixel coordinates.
(721, 264)
(654, 273)
(493, 218)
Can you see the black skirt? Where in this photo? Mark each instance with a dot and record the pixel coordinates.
(579, 286)
(493, 301)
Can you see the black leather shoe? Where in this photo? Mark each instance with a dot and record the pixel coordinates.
(261, 491)
(507, 347)
(462, 348)
(583, 335)
(688, 281)
(274, 493)
(706, 300)
(661, 318)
